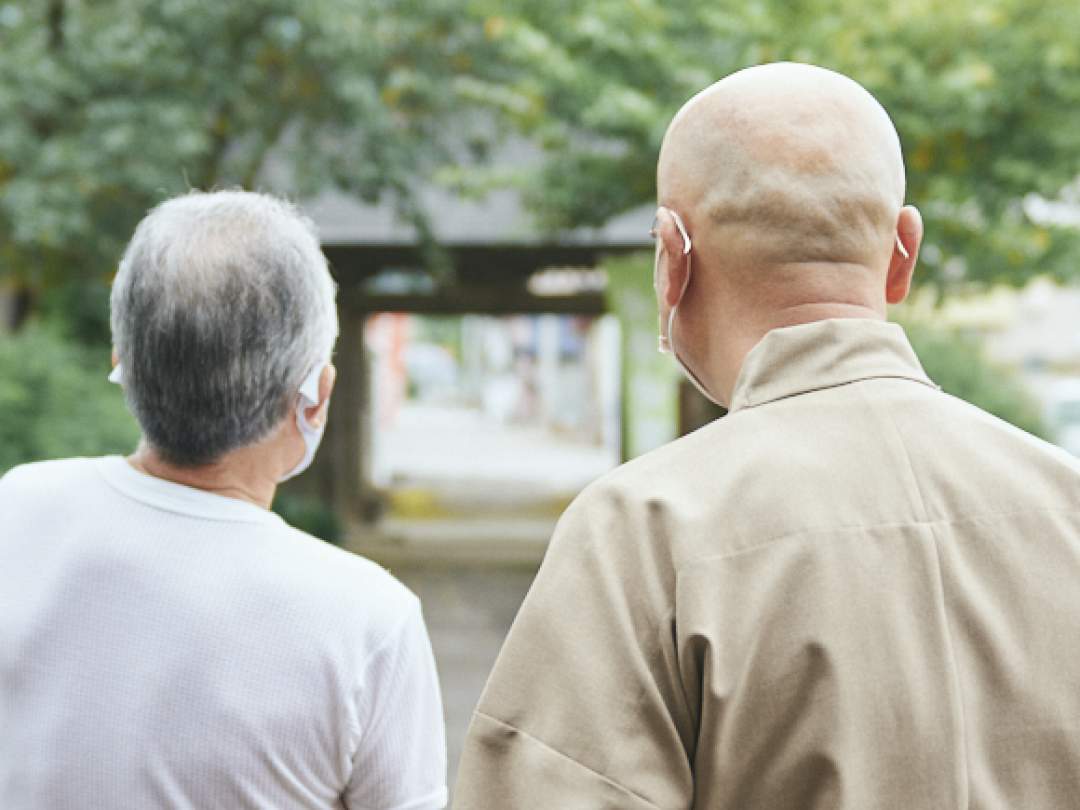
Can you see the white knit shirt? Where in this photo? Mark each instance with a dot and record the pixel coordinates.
(165, 647)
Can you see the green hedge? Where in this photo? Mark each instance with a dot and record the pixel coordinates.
(311, 515)
(55, 401)
(958, 364)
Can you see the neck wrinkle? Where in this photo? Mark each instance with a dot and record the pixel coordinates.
(810, 312)
(219, 479)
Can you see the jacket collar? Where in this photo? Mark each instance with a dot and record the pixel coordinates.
(824, 354)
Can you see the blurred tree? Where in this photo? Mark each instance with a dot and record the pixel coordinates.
(985, 94)
(959, 365)
(107, 107)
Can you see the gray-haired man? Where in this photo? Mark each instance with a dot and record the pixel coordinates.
(165, 640)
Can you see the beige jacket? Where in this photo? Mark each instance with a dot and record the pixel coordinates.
(852, 592)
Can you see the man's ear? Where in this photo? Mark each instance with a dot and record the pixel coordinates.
(316, 414)
(909, 234)
(115, 358)
(674, 263)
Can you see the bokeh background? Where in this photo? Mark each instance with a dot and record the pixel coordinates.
(482, 176)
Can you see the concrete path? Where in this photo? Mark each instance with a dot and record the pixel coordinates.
(461, 452)
(468, 609)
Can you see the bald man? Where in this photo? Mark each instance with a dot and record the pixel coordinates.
(852, 592)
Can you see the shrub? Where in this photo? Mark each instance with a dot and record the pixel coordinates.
(958, 364)
(309, 514)
(55, 401)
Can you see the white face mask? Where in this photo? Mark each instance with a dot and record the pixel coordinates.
(312, 435)
(308, 396)
(667, 342)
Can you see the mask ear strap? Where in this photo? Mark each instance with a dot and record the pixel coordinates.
(900, 246)
(666, 344)
(678, 224)
(682, 231)
(687, 245)
(309, 388)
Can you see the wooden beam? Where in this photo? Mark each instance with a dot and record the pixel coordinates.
(354, 264)
(342, 458)
(493, 300)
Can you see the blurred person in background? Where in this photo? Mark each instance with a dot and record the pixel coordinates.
(165, 639)
(853, 591)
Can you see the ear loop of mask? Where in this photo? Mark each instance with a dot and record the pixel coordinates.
(666, 343)
(307, 397)
(664, 340)
(900, 246)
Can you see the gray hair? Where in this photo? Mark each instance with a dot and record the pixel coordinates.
(222, 305)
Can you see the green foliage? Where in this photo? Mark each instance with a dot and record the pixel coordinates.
(649, 379)
(958, 364)
(55, 401)
(108, 107)
(309, 514)
(985, 94)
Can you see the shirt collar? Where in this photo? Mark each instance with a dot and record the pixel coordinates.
(177, 498)
(824, 354)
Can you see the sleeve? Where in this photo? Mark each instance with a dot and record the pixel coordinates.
(400, 763)
(585, 706)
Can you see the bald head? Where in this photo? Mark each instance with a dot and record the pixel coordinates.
(785, 164)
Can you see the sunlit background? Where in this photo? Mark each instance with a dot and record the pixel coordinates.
(481, 174)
